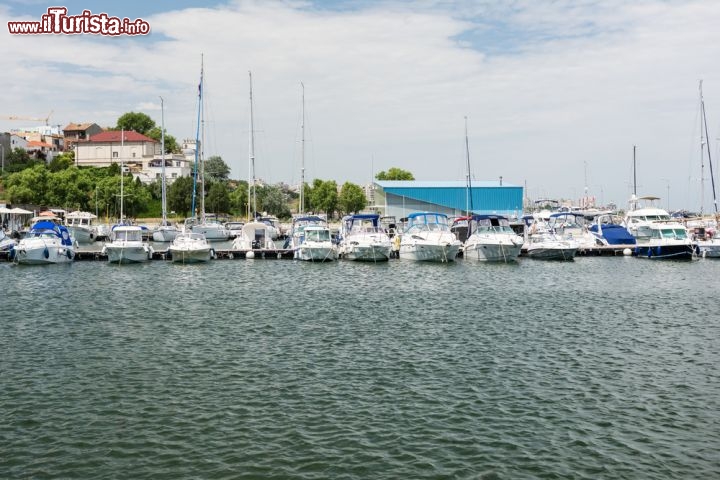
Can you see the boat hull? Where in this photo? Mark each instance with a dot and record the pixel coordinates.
(423, 252)
(709, 248)
(43, 255)
(552, 253)
(127, 254)
(164, 234)
(492, 252)
(82, 234)
(316, 253)
(190, 256)
(665, 252)
(367, 253)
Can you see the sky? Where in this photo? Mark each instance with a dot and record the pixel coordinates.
(556, 93)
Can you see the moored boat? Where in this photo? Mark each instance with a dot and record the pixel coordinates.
(190, 247)
(311, 240)
(492, 239)
(363, 239)
(428, 238)
(45, 243)
(81, 228)
(126, 245)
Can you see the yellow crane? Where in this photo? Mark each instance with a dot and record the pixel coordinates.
(31, 119)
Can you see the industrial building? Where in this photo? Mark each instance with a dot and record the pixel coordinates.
(400, 198)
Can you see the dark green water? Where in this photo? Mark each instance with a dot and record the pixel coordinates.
(598, 368)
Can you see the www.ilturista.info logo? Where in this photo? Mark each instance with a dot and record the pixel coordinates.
(57, 21)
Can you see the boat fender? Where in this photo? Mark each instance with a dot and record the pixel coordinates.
(46, 253)
(69, 254)
(231, 255)
(212, 253)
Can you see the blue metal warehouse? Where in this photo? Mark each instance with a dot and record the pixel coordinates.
(400, 198)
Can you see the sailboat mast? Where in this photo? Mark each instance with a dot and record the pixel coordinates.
(162, 153)
(122, 173)
(197, 139)
(705, 133)
(468, 193)
(302, 153)
(634, 173)
(202, 162)
(251, 211)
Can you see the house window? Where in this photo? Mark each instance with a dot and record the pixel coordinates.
(174, 175)
(133, 154)
(115, 154)
(157, 175)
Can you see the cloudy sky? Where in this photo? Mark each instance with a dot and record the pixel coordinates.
(556, 92)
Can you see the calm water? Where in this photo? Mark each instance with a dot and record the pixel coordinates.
(599, 368)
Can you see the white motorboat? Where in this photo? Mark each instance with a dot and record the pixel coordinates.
(127, 246)
(548, 246)
(254, 236)
(189, 247)
(80, 225)
(211, 228)
(657, 235)
(235, 228)
(363, 239)
(428, 238)
(311, 240)
(46, 242)
(6, 243)
(492, 240)
(273, 226)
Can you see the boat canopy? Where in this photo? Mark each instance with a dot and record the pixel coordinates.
(52, 228)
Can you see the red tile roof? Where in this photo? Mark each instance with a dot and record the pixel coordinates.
(35, 143)
(114, 136)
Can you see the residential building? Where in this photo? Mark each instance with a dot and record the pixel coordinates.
(116, 146)
(77, 132)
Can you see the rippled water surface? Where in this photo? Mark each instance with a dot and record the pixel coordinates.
(597, 368)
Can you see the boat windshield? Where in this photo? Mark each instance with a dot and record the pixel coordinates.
(128, 235)
(317, 235)
(677, 233)
(501, 225)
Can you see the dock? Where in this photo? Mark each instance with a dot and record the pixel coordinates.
(163, 255)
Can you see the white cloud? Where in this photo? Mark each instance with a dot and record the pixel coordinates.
(578, 84)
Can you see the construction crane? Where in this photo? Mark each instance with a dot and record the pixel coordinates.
(31, 119)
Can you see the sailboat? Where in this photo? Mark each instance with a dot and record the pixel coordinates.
(254, 235)
(211, 228)
(310, 237)
(126, 241)
(491, 239)
(706, 234)
(166, 231)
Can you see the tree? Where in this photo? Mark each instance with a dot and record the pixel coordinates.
(218, 199)
(136, 121)
(19, 159)
(239, 198)
(179, 195)
(28, 185)
(216, 169)
(61, 162)
(395, 173)
(352, 198)
(171, 145)
(323, 196)
(275, 202)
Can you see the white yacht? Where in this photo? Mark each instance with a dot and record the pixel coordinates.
(126, 245)
(363, 239)
(492, 240)
(46, 242)
(428, 238)
(311, 240)
(209, 226)
(543, 243)
(80, 225)
(657, 235)
(189, 247)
